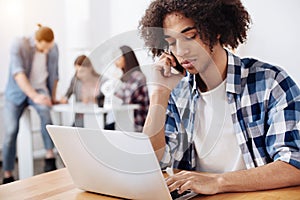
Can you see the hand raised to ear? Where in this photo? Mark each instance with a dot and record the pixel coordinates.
(161, 78)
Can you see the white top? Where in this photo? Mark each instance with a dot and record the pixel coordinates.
(39, 73)
(215, 140)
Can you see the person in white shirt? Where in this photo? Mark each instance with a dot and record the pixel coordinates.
(231, 124)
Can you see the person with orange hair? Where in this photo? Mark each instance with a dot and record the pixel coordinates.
(33, 78)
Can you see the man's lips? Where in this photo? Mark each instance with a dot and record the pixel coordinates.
(188, 64)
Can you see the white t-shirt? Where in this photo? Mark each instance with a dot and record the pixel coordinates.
(39, 73)
(215, 141)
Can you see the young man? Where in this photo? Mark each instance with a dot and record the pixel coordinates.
(235, 119)
(32, 81)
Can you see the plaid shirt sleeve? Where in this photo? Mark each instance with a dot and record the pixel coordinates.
(179, 151)
(171, 137)
(266, 113)
(283, 139)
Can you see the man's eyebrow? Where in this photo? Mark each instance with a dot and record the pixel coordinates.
(183, 31)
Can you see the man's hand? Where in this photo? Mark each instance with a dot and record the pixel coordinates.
(274, 175)
(161, 78)
(63, 100)
(26, 87)
(203, 183)
(42, 99)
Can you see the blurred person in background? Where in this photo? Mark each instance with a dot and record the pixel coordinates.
(85, 86)
(33, 77)
(132, 88)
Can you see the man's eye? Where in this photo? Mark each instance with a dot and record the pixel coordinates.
(191, 37)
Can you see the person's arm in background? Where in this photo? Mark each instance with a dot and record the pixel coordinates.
(69, 92)
(54, 101)
(26, 87)
(53, 75)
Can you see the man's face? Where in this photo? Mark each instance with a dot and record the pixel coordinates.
(43, 46)
(185, 43)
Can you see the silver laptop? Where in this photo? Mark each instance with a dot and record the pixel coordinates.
(114, 163)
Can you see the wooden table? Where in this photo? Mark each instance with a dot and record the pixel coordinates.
(58, 185)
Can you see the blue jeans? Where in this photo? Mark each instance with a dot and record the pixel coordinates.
(12, 114)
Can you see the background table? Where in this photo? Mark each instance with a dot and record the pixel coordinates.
(59, 185)
(93, 118)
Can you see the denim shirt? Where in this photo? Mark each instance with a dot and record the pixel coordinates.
(21, 57)
(265, 110)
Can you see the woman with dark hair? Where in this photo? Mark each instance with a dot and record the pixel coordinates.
(85, 85)
(133, 88)
(235, 119)
(127, 61)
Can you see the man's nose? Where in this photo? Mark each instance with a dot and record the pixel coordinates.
(181, 48)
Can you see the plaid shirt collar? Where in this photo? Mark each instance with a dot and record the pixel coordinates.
(234, 75)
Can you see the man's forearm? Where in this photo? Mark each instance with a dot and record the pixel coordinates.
(155, 122)
(25, 85)
(274, 175)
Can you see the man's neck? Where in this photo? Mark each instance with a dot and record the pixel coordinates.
(217, 71)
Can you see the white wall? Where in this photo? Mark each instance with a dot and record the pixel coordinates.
(274, 36)
(27, 13)
(125, 15)
(122, 22)
(11, 23)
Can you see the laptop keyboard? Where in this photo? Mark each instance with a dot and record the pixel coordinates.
(176, 195)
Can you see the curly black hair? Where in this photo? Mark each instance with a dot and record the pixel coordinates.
(225, 18)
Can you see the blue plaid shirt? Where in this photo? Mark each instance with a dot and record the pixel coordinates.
(265, 110)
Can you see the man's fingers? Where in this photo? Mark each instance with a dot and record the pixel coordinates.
(167, 61)
(175, 185)
(185, 186)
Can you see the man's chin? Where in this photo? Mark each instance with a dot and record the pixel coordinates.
(193, 71)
